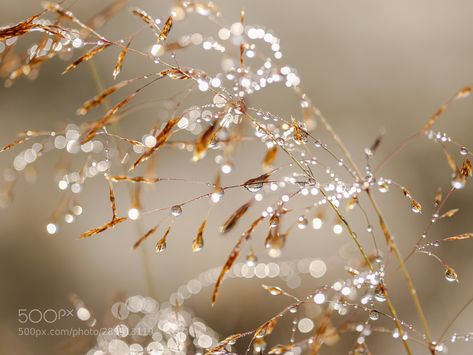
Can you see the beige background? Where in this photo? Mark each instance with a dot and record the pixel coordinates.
(366, 64)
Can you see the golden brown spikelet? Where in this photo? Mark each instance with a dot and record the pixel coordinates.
(232, 220)
(166, 29)
(20, 28)
(449, 213)
(198, 242)
(269, 157)
(459, 237)
(162, 243)
(162, 137)
(228, 340)
(143, 15)
(202, 144)
(144, 237)
(87, 56)
(135, 179)
(467, 168)
(450, 160)
(233, 256)
(13, 144)
(438, 197)
(103, 227)
(121, 57)
(111, 195)
(281, 349)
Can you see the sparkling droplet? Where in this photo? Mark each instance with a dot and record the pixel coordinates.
(259, 345)
(77, 210)
(52, 228)
(463, 151)
(251, 258)
(305, 325)
(458, 182)
(274, 243)
(217, 195)
(317, 223)
(133, 213)
(383, 188)
(274, 290)
(254, 186)
(374, 314)
(319, 298)
(395, 333)
(302, 222)
(77, 43)
(198, 244)
(274, 221)
(450, 275)
(416, 206)
(176, 210)
(441, 348)
(379, 293)
(226, 168)
(337, 228)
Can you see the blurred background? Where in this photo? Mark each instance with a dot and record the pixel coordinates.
(367, 65)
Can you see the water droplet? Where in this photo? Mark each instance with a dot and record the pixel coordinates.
(379, 293)
(319, 298)
(226, 168)
(259, 345)
(176, 210)
(275, 291)
(219, 100)
(416, 206)
(69, 218)
(441, 348)
(77, 43)
(133, 213)
(77, 210)
(374, 314)
(302, 222)
(251, 258)
(337, 228)
(52, 228)
(463, 151)
(274, 221)
(217, 195)
(458, 181)
(383, 187)
(274, 243)
(317, 223)
(198, 243)
(254, 186)
(450, 274)
(260, 334)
